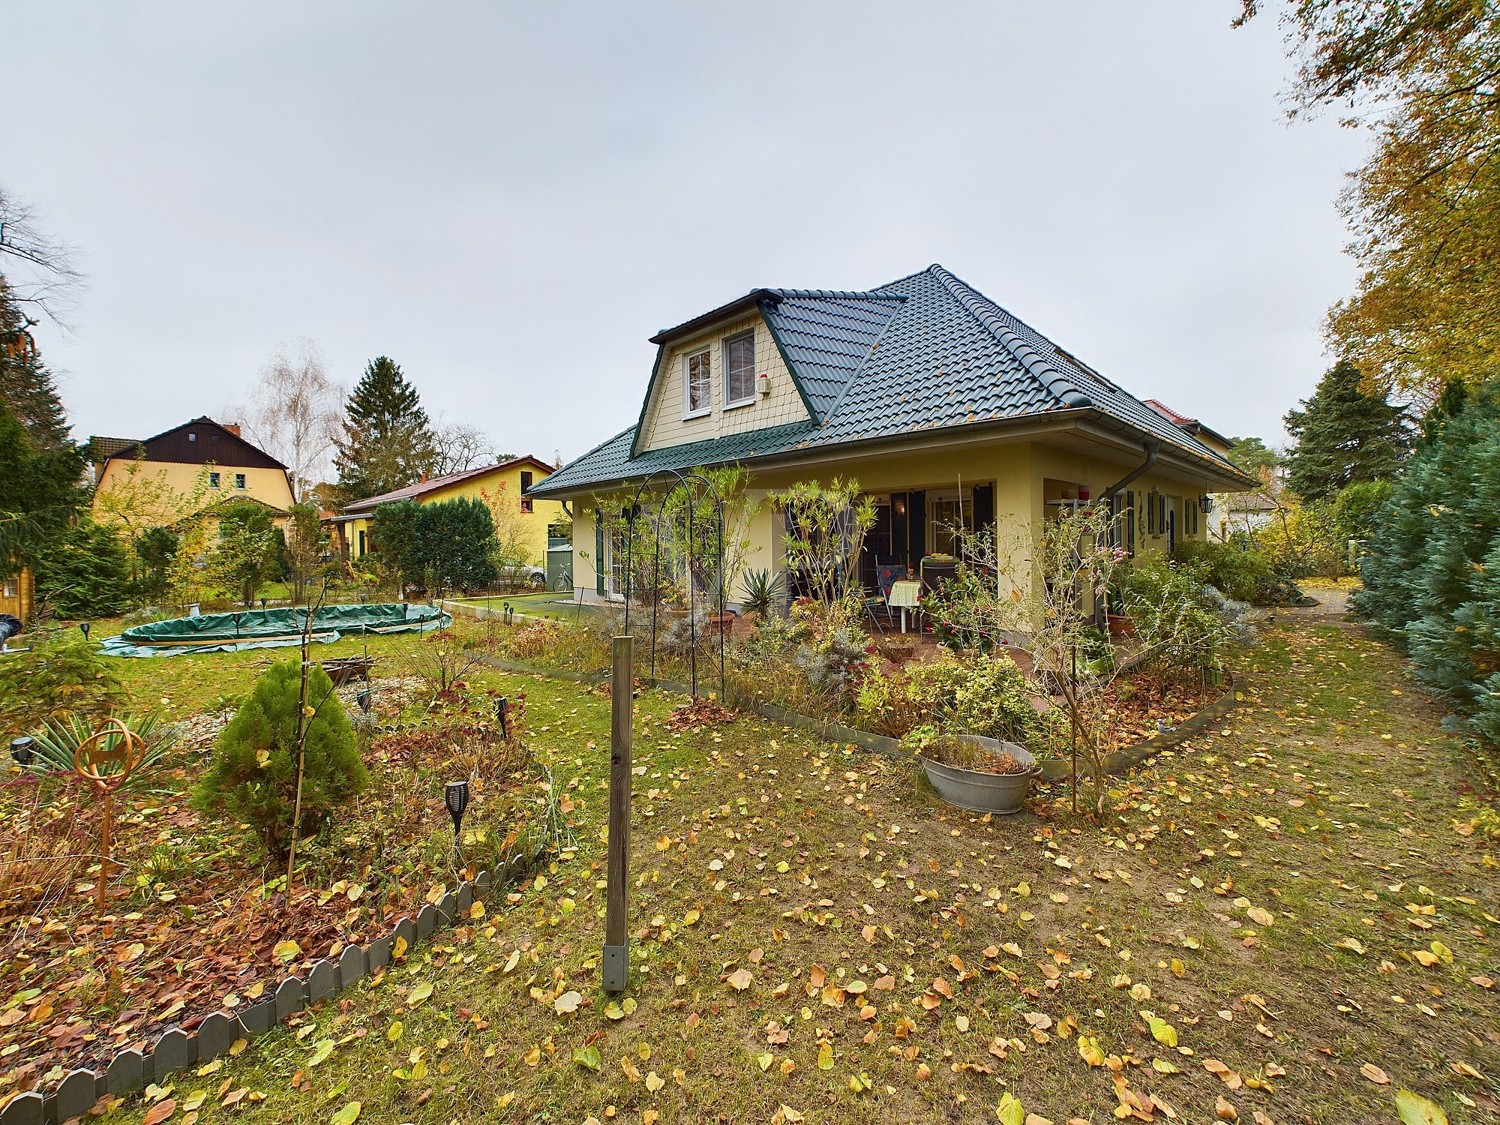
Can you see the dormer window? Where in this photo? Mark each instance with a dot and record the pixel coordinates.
(739, 369)
(697, 385)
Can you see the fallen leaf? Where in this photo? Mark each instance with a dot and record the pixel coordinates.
(1414, 1109)
(418, 994)
(160, 1112)
(348, 1115)
(1375, 1074)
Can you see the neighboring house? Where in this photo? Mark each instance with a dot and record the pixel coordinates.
(188, 469)
(521, 523)
(18, 594)
(940, 403)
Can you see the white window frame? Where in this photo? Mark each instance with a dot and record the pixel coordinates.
(687, 384)
(730, 401)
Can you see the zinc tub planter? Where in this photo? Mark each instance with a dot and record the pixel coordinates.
(978, 791)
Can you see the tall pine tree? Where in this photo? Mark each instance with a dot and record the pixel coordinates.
(388, 441)
(40, 467)
(1344, 436)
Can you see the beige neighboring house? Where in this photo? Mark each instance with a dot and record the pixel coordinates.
(188, 469)
(944, 406)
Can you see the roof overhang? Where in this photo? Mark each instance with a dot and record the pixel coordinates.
(1086, 430)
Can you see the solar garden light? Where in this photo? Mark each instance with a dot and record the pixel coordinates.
(510, 614)
(456, 797)
(262, 605)
(502, 713)
(20, 750)
(84, 627)
(364, 699)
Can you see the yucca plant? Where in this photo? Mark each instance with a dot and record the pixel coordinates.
(58, 739)
(762, 590)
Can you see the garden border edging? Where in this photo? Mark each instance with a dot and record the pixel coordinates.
(177, 1049)
(1053, 769)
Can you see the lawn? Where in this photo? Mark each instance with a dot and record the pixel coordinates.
(558, 607)
(1284, 920)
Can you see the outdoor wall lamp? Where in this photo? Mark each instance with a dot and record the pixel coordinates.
(20, 750)
(502, 715)
(456, 797)
(1205, 504)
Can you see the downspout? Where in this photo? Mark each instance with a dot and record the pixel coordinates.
(1152, 448)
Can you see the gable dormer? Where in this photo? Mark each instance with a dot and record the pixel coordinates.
(721, 373)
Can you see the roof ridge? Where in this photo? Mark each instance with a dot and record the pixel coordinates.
(846, 294)
(1057, 383)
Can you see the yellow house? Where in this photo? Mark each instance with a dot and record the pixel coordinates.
(944, 406)
(18, 595)
(521, 522)
(187, 469)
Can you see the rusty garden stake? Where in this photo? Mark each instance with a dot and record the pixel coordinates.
(105, 760)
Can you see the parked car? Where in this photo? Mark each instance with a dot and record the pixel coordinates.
(514, 572)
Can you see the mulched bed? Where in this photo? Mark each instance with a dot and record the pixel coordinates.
(190, 927)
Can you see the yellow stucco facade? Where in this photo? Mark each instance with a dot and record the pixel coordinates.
(138, 494)
(1031, 481)
(520, 523)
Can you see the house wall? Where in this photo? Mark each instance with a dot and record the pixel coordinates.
(17, 595)
(1029, 479)
(184, 488)
(664, 423)
(501, 492)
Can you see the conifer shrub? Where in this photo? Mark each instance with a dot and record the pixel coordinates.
(1432, 572)
(57, 678)
(253, 776)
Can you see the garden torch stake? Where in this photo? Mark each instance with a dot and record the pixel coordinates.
(616, 941)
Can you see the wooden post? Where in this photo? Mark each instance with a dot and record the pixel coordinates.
(616, 941)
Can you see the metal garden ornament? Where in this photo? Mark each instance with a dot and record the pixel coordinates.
(105, 760)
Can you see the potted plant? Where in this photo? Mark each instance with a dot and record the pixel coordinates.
(978, 773)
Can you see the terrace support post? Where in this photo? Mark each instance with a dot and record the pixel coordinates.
(616, 940)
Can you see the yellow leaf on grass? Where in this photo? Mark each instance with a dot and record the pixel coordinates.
(825, 1055)
(567, 1003)
(1352, 944)
(1163, 1032)
(1260, 916)
(740, 979)
(346, 1116)
(1089, 1050)
(512, 961)
(1375, 1074)
(1010, 1111)
(398, 950)
(321, 1052)
(418, 994)
(1414, 1109)
(394, 1031)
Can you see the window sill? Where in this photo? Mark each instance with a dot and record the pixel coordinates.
(740, 405)
(698, 414)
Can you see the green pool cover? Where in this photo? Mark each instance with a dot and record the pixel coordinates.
(270, 628)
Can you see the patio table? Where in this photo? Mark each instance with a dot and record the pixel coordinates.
(907, 594)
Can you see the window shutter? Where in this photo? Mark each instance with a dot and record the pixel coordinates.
(598, 551)
(916, 527)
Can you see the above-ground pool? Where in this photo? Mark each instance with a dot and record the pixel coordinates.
(271, 628)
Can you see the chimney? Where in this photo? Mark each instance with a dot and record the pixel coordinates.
(233, 427)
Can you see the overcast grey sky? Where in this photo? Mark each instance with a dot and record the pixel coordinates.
(508, 199)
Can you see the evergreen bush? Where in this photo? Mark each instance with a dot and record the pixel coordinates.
(61, 677)
(85, 572)
(1432, 570)
(253, 776)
